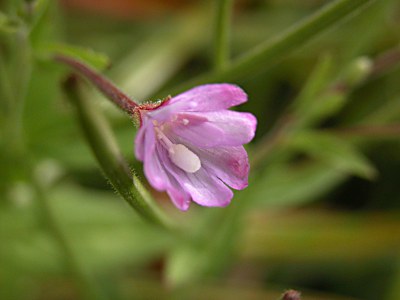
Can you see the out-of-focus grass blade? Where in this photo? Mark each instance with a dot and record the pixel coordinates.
(207, 253)
(386, 113)
(320, 236)
(104, 232)
(271, 51)
(96, 60)
(108, 233)
(185, 264)
(150, 64)
(334, 151)
(8, 25)
(285, 185)
(323, 96)
(394, 290)
(34, 11)
(319, 78)
(376, 101)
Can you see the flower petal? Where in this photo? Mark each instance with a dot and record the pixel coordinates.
(140, 142)
(197, 120)
(153, 169)
(230, 164)
(207, 190)
(145, 150)
(223, 128)
(208, 97)
(204, 189)
(179, 197)
(160, 179)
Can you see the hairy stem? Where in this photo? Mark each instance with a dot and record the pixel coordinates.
(116, 169)
(103, 84)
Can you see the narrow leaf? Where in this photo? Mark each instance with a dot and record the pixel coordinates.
(286, 185)
(336, 152)
(272, 51)
(96, 60)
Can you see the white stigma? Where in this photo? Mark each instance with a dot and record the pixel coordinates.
(179, 154)
(185, 121)
(183, 158)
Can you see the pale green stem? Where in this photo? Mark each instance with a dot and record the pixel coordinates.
(21, 63)
(272, 51)
(17, 90)
(221, 33)
(6, 92)
(116, 169)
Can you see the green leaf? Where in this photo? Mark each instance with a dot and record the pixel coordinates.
(320, 77)
(334, 151)
(323, 96)
(324, 106)
(96, 60)
(320, 236)
(185, 264)
(209, 249)
(271, 51)
(102, 231)
(149, 65)
(8, 25)
(286, 185)
(316, 101)
(107, 232)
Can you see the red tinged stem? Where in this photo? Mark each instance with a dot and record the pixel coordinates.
(102, 83)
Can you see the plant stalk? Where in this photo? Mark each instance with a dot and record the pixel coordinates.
(103, 84)
(115, 168)
(221, 34)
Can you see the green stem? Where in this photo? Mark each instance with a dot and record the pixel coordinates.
(271, 51)
(17, 86)
(6, 92)
(221, 33)
(102, 142)
(21, 62)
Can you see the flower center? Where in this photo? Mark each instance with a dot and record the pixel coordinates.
(179, 154)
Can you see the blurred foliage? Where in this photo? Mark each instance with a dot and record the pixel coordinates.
(321, 213)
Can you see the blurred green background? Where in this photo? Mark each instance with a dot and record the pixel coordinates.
(321, 213)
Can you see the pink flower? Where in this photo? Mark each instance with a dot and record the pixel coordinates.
(192, 145)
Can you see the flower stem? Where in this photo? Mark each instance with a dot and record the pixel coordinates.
(221, 33)
(271, 51)
(103, 84)
(116, 169)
